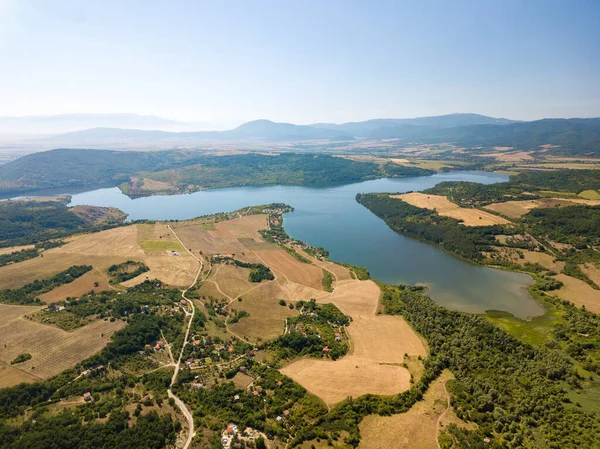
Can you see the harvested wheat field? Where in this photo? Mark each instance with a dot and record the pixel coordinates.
(12, 249)
(350, 376)
(579, 293)
(296, 292)
(232, 280)
(380, 337)
(245, 227)
(377, 343)
(516, 209)
(340, 273)
(592, 271)
(355, 298)
(267, 317)
(446, 208)
(173, 270)
(292, 269)
(53, 350)
(100, 249)
(196, 237)
(416, 429)
(10, 376)
(78, 287)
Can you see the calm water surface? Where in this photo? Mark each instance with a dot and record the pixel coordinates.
(330, 217)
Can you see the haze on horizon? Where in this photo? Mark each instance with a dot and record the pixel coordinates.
(300, 62)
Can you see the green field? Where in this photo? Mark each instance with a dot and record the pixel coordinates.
(590, 194)
(535, 331)
(160, 245)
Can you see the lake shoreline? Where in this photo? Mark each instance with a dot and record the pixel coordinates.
(330, 217)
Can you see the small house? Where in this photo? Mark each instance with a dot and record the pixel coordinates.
(87, 397)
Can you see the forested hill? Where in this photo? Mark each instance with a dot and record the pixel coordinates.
(580, 137)
(64, 168)
(78, 168)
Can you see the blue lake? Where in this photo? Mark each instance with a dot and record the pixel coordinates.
(330, 217)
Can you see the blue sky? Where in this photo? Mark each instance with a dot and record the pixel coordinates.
(299, 60)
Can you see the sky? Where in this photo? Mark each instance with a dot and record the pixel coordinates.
(300, 61)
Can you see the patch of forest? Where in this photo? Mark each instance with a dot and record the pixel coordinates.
(515, 393)
(24, 222)
(428, 225)
(126, 270)
(28, 294)
(527, 185)
(316, 328)
(76, 168)
(255, 169)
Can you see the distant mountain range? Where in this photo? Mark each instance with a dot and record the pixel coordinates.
(53, 124)
(572, 136)
(272, 131)
(441, 121)
(258, 129)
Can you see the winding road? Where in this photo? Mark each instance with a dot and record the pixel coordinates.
(180, 404)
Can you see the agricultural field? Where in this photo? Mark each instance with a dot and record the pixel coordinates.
(579, 293)
(516, 209)
(592, 271)
(590, 194)
(350, 376)
(378, 347)
(291, 269)
(52, 349)
(418, 428)
(103, 249)
(379, 343)
(12, 249)
(446, 208)
(217, 238)
(79, 286)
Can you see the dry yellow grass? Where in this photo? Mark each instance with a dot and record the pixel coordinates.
(515, 156)
(12, 249)
(102, 249)
(415, 429)
(52, 349)
(246, 226)
(378, 344)
(242, 380)
(384, 339)
(292, 269)
(267, 317)
(516, 209)
(340, 272)
(197, 238)
(156, 186)
(350, 376)
(579, 293)
(592, 271)
(446, 208)
(232, 280)
(10, 376)
(78, 287)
